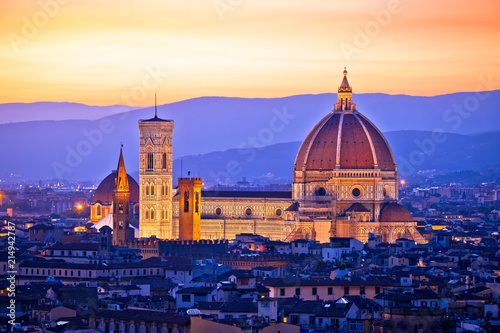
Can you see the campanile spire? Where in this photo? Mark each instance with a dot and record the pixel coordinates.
(121, 182)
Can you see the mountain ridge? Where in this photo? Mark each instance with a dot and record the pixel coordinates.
(207, 124)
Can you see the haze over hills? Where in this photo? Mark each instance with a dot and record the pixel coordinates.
(88, 149)
(413, 150)
(20, 112)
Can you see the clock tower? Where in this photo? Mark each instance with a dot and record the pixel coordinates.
(155, 177)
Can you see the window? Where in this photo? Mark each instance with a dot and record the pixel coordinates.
(362, 290)
(146, 214)
(314, 291)
(346, 290)
(152, 189)
(297, 291)
(147, 189)
(120, 208)
(356, 192)
(152, 214)
(377, 290)
(186, 202)
(248, 211)
(282, 291)
(320, 191)
(150, 160)
(218, 211)
(164, 161)
(330, 290)
(356, 325)
(279, 212)
(424, 303)
(197, 203)
(98, 210)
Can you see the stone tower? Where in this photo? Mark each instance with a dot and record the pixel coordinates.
(189, 208)
(122, 232)
(155, 177)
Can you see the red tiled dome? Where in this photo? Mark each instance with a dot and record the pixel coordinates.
(104, 192)
(394, 212)
(344, 141)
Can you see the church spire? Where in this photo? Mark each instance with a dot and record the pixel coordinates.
(121, 180)
(344, 101)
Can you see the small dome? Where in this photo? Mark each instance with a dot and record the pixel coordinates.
(104, 192)
(395, 212)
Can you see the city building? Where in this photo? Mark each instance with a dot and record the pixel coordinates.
(345, 184)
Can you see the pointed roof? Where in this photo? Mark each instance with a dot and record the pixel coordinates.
(344, 86)
(121, 180)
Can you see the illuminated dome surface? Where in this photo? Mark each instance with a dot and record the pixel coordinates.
(344, 139)
(104, 192)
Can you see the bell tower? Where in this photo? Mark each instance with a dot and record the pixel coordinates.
(155, 177)
(122, 232)
(189, 208)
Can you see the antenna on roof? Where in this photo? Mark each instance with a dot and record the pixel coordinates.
(155, 107)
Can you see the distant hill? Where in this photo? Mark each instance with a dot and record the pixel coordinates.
(21, 112)
(88, 149)
(412, 150)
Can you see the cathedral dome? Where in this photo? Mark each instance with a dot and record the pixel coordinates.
(344, 139)
(394, 212)
(104, 192)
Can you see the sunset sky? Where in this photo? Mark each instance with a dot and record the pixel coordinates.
(103, 52)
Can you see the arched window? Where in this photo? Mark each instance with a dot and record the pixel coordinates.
(98, 213)
(164, 161)
(147, 189)
(186, 201)
(146, 214)
(163, 190)
(152, 189)
(163, 214)
(150, 160)
(152, 214)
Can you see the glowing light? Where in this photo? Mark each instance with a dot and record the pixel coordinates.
(79, 207)
(403, 182)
